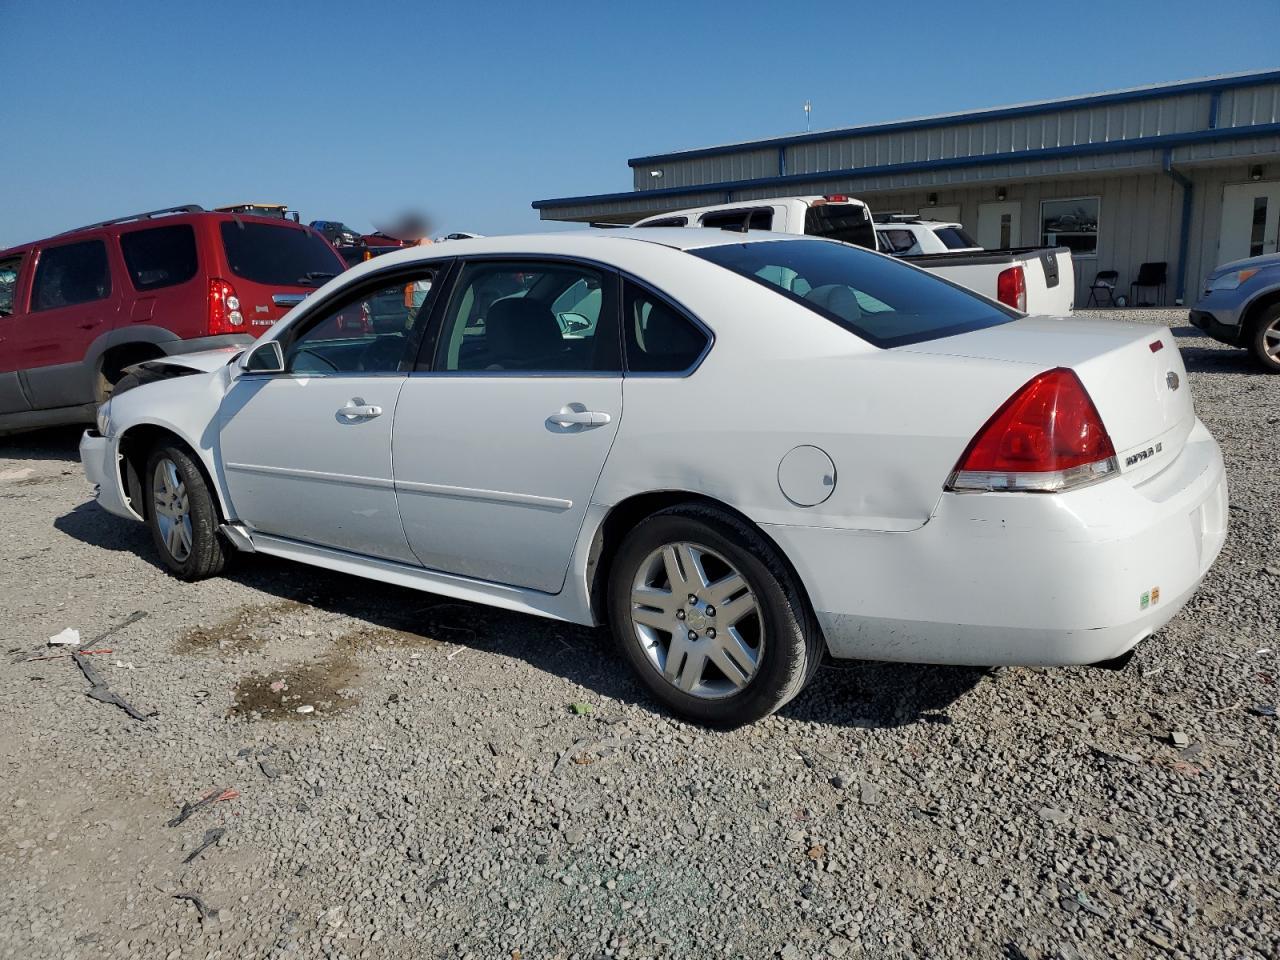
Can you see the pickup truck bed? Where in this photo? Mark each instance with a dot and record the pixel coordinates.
(1048, 274)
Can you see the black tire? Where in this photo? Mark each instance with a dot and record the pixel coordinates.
(1264, 339)
(792, 646)
(207, 554)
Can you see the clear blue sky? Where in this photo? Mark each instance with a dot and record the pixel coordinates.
(355, 111)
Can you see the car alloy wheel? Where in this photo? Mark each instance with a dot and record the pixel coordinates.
(697, 620)
(172, 509)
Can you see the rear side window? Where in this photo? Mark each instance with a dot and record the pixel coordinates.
(877, 298)
(667, 222)
(71, 274)
(847, 222)
(739, 220)
(9, 270)
(954, 238)
(279, 256)
(659, 337)
(160, 257)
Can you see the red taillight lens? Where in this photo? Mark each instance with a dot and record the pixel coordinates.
(224, 309)
(1011, 288)
(1047, 437)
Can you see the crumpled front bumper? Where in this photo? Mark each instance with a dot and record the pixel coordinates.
(100, 458)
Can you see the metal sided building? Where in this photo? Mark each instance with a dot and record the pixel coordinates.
(1185, 173)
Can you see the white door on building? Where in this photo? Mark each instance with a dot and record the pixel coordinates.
(1000, 224)
(1250, 220)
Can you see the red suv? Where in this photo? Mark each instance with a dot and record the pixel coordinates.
(78, 308)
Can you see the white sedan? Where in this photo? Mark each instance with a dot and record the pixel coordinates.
(740, 451)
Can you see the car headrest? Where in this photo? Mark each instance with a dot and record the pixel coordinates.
(836, 298)
(519, 330)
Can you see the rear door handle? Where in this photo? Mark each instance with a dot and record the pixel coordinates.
(570, 416)
(357, 409)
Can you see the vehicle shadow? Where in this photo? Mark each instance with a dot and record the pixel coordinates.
(1223, 359)
(844, 693)
(52, 443)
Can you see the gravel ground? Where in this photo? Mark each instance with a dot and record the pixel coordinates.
(443, 799)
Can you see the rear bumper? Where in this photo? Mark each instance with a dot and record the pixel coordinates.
(99, 456)
(1021, 578)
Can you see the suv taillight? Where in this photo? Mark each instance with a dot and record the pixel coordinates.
(1046, 438)
(1011, 288)
(224, 309)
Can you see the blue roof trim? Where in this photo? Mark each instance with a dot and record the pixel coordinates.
(1167, 140)
(994, 113)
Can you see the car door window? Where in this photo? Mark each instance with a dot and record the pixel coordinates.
(367, 333)
(529, 317)
(71, 274)
(739, 220)
(659, 336)
(160, 256)
(9, 270)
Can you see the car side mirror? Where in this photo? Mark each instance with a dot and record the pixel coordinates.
(265, 357)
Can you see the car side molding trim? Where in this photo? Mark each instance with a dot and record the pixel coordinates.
(319, 476)
(495, 496)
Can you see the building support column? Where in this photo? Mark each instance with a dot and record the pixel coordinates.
(1184, 231)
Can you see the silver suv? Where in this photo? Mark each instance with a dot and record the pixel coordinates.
(1241, 307)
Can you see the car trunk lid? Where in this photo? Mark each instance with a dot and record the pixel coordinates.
(1133, 373)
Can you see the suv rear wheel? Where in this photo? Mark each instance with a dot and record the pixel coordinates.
(710, 617)
(1264, 341)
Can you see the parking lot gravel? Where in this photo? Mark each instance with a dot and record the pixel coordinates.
(444, 797)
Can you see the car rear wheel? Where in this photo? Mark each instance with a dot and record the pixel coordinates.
(1265, 341)
(710, 617)
(182, 515)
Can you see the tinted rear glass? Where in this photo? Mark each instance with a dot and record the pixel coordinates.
(954, 238)
(881, 300)
(848, 222)
(161, 257)
(71, 274)
(279, 256)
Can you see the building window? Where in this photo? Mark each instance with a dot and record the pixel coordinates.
(1071, 223)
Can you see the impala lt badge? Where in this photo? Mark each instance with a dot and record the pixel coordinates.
(1172, 380)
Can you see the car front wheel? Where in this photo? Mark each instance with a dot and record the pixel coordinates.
(182, 515)
(1265, 341)
(710, 617)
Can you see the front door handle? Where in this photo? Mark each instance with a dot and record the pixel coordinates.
(357, 409)
(573, 415)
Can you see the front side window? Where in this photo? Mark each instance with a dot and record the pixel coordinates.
(659, 337)
(1072, 224)
(885, 302)
(160, 257)
(279, 255)
(71, 274)
(367, 334)
(9, 270)
(530, 317)
(898, 242)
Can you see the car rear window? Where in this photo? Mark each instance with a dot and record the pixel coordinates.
(279, 256)
(885, 302)
(954, 238)
(848, 222)
(160, 257)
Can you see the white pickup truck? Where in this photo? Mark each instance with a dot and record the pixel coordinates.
(1033, 280)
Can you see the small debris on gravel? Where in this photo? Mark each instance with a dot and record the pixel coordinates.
(211, 837)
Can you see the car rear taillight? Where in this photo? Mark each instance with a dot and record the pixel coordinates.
(224, 309)
(1046, 438)
(1011, 288)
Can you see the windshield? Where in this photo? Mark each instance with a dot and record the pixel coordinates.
(279, 256)
(848, 222)
(881, 300)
